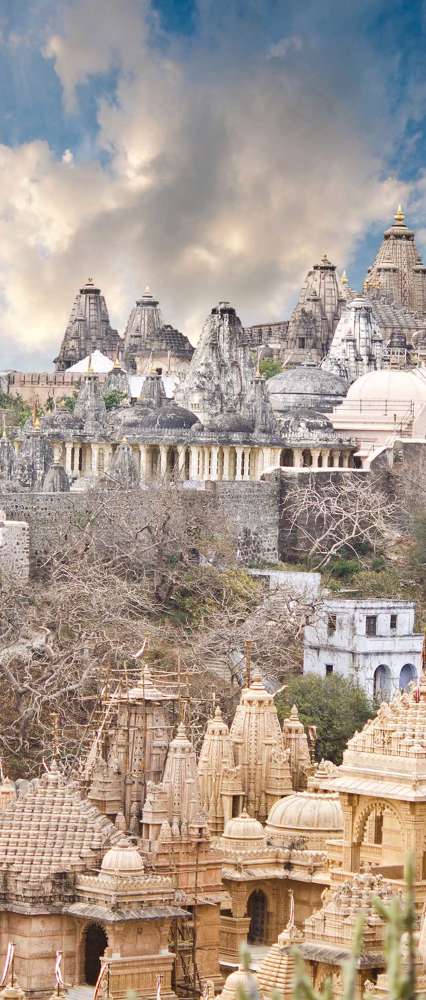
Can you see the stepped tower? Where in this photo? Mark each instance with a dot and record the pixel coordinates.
(149, 342)
(88, 329)
(296, 741)
(357, 346)
(259, 750)
(219, 779)
(398, 272)
(317, 313)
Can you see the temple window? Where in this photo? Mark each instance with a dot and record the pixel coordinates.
(393, 622)
(328, 669)
(331, 624)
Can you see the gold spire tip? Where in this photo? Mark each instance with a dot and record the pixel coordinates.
(399, 215)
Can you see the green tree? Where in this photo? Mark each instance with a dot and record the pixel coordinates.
(335, 705)
(418, 552)
(269, 367)
(68, 402)
(114, 398)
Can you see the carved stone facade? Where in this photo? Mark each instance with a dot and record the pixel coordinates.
(398, 271)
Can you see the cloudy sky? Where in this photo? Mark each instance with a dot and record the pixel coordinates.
(209, 148)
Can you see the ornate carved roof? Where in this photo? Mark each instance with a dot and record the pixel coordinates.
(50, 829)
(146, 333)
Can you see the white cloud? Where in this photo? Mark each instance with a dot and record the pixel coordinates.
(225, 178)
(279, 50)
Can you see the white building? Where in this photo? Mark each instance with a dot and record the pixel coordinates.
(372, 641)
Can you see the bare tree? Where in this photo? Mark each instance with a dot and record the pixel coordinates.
(347, 512)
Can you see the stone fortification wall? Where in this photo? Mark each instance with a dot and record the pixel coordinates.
(401, 470)
(291, 541)
(249, 511)
(14, 548)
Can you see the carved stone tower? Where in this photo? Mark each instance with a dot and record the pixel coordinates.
(148, 341)
(398, 271)
(259, 750)
(88, 329)
(219, 779)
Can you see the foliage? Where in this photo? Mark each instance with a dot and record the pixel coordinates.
(21, 410)
(269, 367)
(343, 568)
(418, 551)
(335, 705)
(114, 398)
(68, 402)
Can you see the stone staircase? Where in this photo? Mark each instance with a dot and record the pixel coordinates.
(80, 992)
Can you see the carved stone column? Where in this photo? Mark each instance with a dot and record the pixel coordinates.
(193, 462)
(94, 459)
(163, 461)
(181, 461)
(226, 463)
(238, 471)
(246, 452)
(143, 464)
(68, 457)
(214, 457)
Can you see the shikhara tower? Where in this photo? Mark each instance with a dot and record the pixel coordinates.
(88, 329)
(398, 271)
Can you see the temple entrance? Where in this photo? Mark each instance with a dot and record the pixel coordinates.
(256, 910)
(94, 947)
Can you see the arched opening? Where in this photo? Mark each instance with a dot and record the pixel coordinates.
(306, 458)
(340, 459)
(382, 683)
(380, 839)
(407, 676)
(320, 460)
(256, 910)
(330, 461)
(172, 463)
(287, 457)
(187, 463)
(94, 946)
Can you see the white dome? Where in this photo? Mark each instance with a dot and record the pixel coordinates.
(305, 811)
(243, 827)
(122, 859)
(404, 385)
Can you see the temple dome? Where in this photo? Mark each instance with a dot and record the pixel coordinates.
(405, 385)
(170, 416)
(244, 828)
(239, 983)
(306, 386)
(306, 811)
(122, 859)
(233, 423)
(305, 423)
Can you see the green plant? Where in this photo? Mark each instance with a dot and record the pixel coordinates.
(343, 568)
(114, 398)
(68, 402)
(269, 367)
(335, 705)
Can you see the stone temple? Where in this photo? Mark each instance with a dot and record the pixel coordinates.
(88, 328)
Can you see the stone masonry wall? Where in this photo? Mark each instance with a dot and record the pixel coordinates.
(250, 512)
(14, 549)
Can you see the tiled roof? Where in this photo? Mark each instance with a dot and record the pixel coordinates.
(51, 829)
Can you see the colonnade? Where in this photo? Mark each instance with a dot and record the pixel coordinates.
(195, 462)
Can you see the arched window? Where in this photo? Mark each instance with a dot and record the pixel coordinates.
(382, 682)
(407, 676)
(306, 458)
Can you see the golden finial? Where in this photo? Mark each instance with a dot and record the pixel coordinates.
(35, 418)
(344, 278)
(117, 362)
(399, 215)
